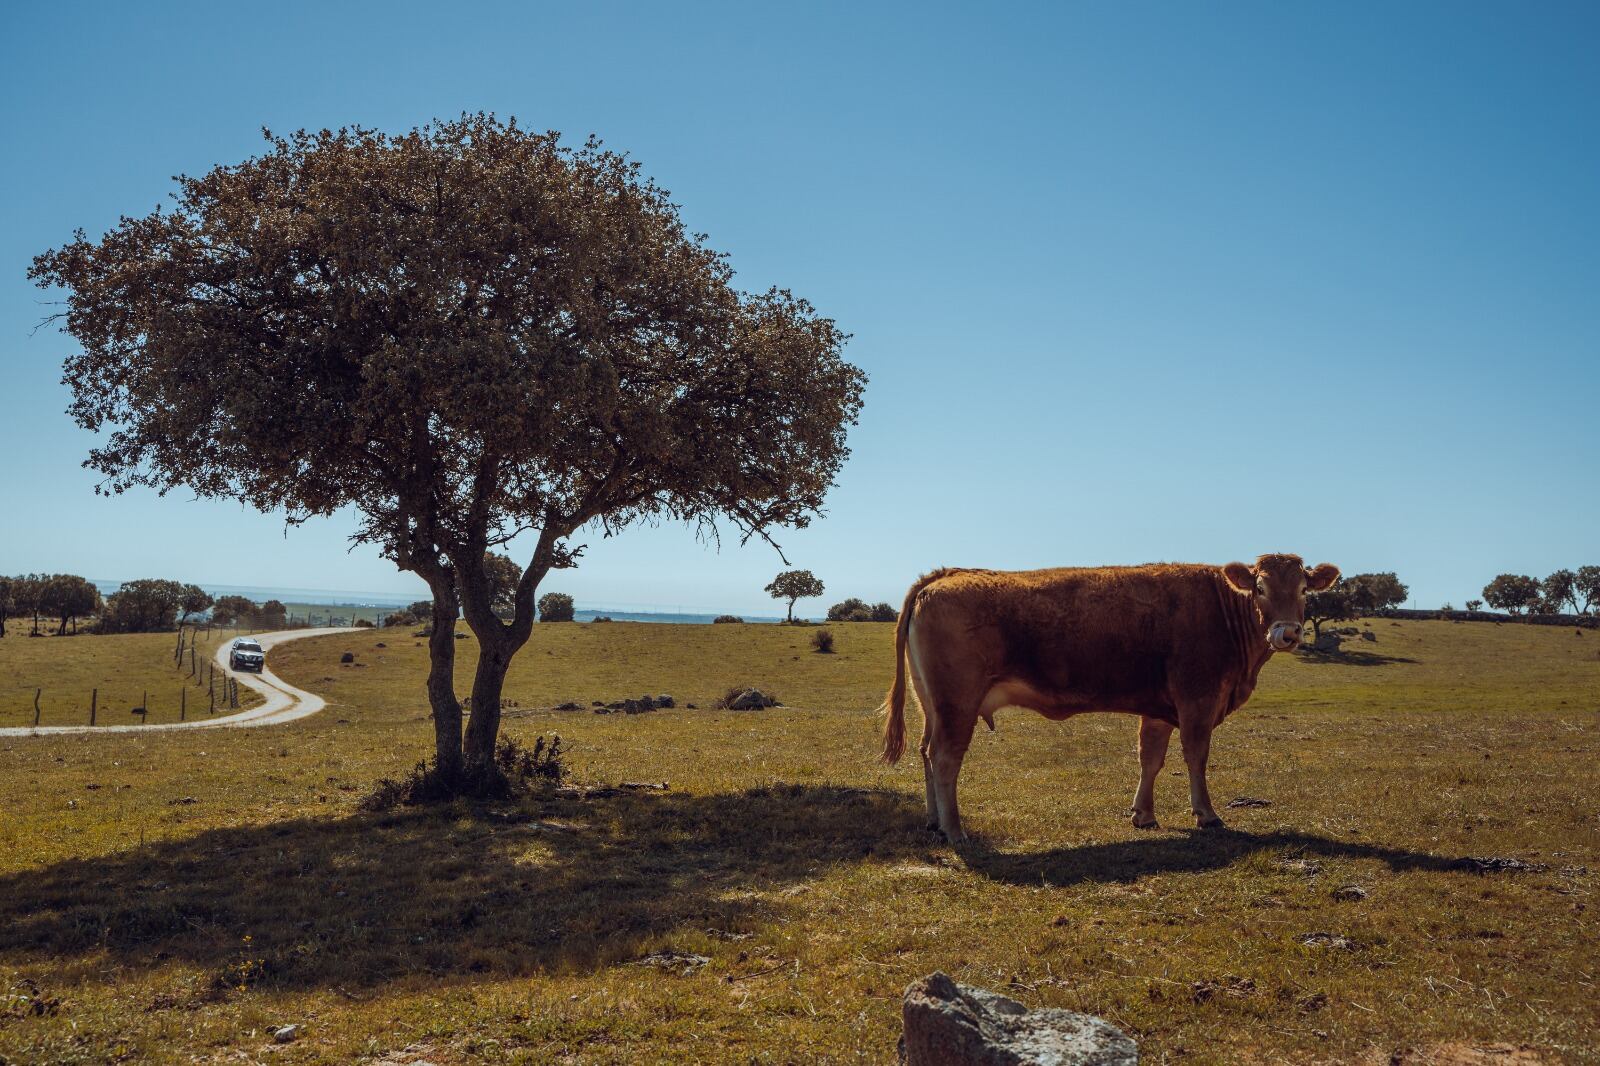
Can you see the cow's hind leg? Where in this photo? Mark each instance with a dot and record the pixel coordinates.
(929, 724)
(950, 740)
(1195, 733)
(1153, 737)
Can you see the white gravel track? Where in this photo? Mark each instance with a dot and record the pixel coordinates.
(284, 702)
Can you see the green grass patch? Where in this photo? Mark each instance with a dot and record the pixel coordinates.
(173, 896)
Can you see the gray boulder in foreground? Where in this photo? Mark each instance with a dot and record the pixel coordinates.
(950, 1024)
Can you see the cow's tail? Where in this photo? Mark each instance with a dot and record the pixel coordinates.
(894, 707)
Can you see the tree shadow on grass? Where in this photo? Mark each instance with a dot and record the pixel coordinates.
(560, 885)
(1197, 851)
(1352, 658)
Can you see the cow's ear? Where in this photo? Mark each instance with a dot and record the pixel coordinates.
(1321, 577)
(1240, 576)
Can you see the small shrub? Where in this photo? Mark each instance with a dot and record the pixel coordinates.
(541, 763)
(555, 607)
(601, 618)
(364, 623)
(822, 640)
(727, 619)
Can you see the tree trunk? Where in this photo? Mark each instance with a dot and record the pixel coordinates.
(483, 727)
(790, 617)
(442, 687)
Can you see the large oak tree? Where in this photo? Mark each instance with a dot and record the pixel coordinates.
(470, 333)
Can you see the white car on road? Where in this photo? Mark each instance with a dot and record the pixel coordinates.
(245, 654)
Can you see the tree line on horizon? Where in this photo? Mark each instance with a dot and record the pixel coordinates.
(1522, 594)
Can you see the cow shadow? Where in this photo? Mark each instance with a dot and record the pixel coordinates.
(561, 884)
(1196, 851)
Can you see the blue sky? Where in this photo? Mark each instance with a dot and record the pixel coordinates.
(1131, 282)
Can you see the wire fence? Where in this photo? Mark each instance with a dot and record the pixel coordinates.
(200, 689)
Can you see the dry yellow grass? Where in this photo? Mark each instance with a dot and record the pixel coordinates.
(124, 668)
(174, 896)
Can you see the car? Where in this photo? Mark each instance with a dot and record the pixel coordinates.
(245, 654)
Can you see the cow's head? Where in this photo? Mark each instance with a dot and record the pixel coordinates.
(1278, 585)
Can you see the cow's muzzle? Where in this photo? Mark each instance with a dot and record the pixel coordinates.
(1283, 635)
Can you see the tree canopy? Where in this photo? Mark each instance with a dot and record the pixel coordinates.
(467, 332)
(1512, 593)
(794, 585)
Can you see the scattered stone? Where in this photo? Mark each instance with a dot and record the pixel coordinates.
(186, 800)
(644, 786)
(1312, 1003)
(1327, 642)
(461, 636)
(1248, 801)
(689, 706)
(1487, 863)
(750, 699)
(950, 1024)
(380, 644)
(348, 657)
(1350, 893)
(286, 1034)
(568, 706)
(665, 701)
(1327, 940)
(682, 963)
(1369, 635)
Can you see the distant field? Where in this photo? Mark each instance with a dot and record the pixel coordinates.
(171, 897)
(126, 668)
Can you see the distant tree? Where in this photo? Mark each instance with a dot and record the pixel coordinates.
(1370, 593)
(727, 619)
(7, 600)
(148, 605)
(1512, 593)
(885, 612)
(230, 609)
(70, 598)
(468, 332)
(1474, 606)
(1587, 585)
(194, 600)
(794, 585)
(851, 610)
(502, 576)
(1330, 605)
(271, 615)
(400, 616)
(1558, 592)
(28, 592)
(555, 607)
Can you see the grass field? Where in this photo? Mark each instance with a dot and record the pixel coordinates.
(170, 898)
(124, 668)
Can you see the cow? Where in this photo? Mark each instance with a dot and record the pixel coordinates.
(1178, 644)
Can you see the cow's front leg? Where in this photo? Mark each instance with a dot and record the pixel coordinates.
(1196, 737)
(1153, 737)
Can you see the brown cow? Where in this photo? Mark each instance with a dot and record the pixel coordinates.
(1179, 644)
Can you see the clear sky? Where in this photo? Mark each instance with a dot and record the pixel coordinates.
(1131, 281)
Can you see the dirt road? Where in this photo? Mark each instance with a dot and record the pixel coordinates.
(284, 702)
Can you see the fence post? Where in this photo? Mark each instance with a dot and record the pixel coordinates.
(36, 705)
(213, 708)
(94, 704)
(183, 704)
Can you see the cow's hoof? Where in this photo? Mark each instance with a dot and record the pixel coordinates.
(1211, 822)
(931, 825)
(1145, 821)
